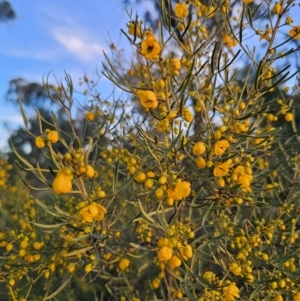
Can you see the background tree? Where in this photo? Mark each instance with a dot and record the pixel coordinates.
(6, 11)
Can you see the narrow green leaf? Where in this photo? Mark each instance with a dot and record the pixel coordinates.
(19, 156)
(59, 289)
(257, 75)
(23, 113)
(115, 178)
(45, 207)
(48, 226)
(34, 188)
(242, 24)
(83, 250)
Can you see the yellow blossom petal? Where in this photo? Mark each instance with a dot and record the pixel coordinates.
(147, 98)
(295, 32)
(181, 10)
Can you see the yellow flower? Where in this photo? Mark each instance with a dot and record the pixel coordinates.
(248, 1)
(266, 35)
(278, 297)
(245, 180)
(203, 30)
(186, 252)
(175, 64)
(163, 241)
(89, 116)
(40, 141)
(231, 292)
(187, 115)
(277, 8)
(220, 147)
(209, 276)
(201, 163)
(165, 253)
(295, 32)
(90, 171)
(229, 41)
(288, 117)
(239, 170)
(124, 264)
(289, 20)
(52, 136)
(181, 10)
(132, 26)
(222, 169)
(235, 269)
(147, 98)
(210, 11)
(140, 177)
(296, 297)
(150, 48)
(62, 183)
(182, 190)
(175, 261)
(199, 148)
(93, 212)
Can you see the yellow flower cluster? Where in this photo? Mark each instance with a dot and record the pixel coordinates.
(166, 252)
(51, 136)
(93, 212)
(150, 48)
(231, 292)
(62, 183)
(180, 191)
(4, 172)
(148, 99)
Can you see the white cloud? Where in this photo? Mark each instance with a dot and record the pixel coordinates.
(16, 119)
(78, 43)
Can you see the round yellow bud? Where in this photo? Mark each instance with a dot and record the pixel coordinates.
(201, 163)
(37, 245)
(40, 142)
(124, 264)
(221, 182)
(140, 177)
(165, 253)
(149, 183)
(209, 276)
(9, 247)
(288, 117)
(156, 283)
(162, 180)
(52, 136)
(159, 193)
(90, 171)
(199, 148)
(175, 64)
(296, 297)
(278, 297)
(277, 8)
(88, 268)
(89, 116)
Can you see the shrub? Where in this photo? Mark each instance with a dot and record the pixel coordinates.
(186, 190)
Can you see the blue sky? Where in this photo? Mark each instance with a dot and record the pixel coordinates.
(56, 36)
(59, 36)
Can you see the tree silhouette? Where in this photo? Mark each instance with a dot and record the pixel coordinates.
(6, 11)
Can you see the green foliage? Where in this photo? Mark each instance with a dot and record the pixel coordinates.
(185, 190)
